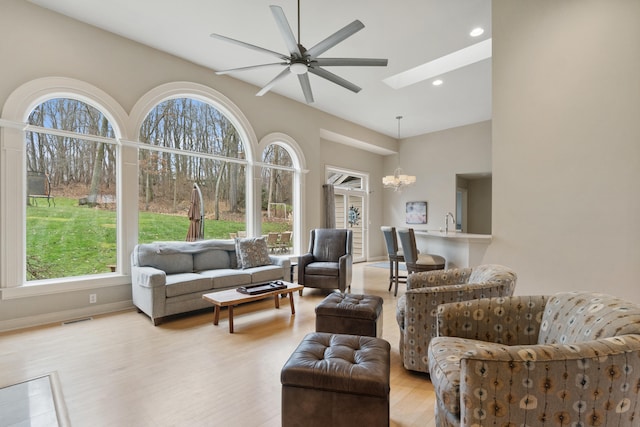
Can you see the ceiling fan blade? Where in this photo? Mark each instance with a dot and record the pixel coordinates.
(285, 30)
(335, 38)
(320, 72)
(284, 73)
(250, 67)
(249, 46)
(306, 87)
(348, 62)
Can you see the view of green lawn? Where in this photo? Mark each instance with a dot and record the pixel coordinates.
(72, 240)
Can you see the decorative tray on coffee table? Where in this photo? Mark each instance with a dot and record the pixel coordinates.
(263, 288)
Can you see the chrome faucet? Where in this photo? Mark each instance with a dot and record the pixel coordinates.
(446, 221)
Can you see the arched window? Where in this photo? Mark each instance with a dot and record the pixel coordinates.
(190, 149)
(277, 198)
(281, 198)
(70, 152)
(108, 174)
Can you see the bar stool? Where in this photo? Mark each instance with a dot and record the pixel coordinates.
(395, 257)
(417, 262)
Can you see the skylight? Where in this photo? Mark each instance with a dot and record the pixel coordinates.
(458, 59)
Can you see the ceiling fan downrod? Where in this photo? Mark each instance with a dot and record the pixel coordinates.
(299, 44)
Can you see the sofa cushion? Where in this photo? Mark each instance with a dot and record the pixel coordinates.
(171, 262)
(265, 273)
(186, 283)
(252, 252)
(212, 259)
(227, 278)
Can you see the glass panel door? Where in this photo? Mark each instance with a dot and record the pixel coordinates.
(351, 202)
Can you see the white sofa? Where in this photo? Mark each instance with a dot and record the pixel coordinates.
(171, 277)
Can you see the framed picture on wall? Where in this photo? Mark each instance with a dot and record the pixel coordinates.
(416, 213)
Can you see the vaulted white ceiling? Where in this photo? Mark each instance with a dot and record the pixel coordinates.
(409, 33)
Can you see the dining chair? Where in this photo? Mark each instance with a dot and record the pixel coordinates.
(414, 260)
(395, 257)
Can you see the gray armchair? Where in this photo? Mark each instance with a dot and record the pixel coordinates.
(417, 308)
(329, 260)
(571, 359)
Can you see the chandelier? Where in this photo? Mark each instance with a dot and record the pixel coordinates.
(398, 180)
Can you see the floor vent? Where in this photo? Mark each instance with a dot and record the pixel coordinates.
(84, 319)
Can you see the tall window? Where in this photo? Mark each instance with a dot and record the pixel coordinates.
(71, 191)
(193, 151)
(277, 198)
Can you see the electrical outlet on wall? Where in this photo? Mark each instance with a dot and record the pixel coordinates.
(93, 298)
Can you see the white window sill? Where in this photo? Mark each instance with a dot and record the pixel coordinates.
(70, 284)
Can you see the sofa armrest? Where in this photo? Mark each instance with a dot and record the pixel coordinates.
(280, 260)
(598, 372)
(453, 276)
(506, 320)
(148, 277)
(284, 262)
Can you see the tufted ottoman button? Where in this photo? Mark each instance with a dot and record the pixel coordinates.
(351, 314)
(336, 380)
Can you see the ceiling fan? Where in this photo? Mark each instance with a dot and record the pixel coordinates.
(301, 60)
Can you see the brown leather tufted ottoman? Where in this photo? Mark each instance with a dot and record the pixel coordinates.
(350, 314)
(336, 380)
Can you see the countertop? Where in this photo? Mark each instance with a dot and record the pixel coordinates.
(454, 235)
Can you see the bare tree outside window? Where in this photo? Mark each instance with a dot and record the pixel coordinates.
(77, 234)
(194, 132)
(71, 158)
(277, 194)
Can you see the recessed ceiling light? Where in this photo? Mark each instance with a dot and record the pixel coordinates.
(437, 82)
(440, 66)
(476, 32)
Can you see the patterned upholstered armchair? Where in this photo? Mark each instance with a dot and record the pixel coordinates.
(572, 359)
(417, 308)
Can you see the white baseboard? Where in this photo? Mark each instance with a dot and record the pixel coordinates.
(63, 316)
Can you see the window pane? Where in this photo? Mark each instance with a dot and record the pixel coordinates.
(167, 179)
(191, 125)
(166, 185)
(277, 199)
(71, 193)
(345, 180)
(71, 115)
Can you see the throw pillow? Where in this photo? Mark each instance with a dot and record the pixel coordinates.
(252, 252)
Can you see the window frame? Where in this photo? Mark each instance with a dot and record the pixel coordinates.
(13, 177)
(299, 172)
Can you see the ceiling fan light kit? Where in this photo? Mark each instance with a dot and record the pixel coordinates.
(302, 61)
(298, 68)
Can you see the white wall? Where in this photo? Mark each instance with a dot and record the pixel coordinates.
(566, 144)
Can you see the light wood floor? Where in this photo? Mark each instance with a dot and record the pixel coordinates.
(119, 370)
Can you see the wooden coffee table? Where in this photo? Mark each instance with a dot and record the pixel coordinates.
(232, 297)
